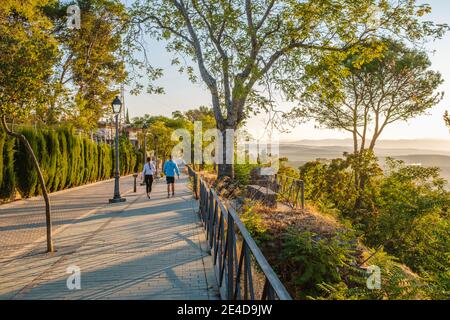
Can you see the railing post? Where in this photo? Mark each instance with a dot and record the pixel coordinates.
(230, 254)
(195, 187)
(302, 193)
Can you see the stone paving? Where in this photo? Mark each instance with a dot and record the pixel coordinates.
(140, 249)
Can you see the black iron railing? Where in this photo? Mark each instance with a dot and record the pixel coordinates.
(290, 191)
(242, 272)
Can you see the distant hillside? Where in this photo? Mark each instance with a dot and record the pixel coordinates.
(300, 154)
(421, 144)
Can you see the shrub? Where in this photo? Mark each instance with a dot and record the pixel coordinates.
(63, 162)
(26, 175)
(253, 223)
(8, 182)
(312, 260)
(242, 172)
(53, 154)
(66, 160)
(2, 144)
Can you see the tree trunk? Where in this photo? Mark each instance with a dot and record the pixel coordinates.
(226, 155)
(30, 151)
(226, 170)
(356, 154)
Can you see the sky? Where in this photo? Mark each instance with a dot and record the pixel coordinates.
(181, 94)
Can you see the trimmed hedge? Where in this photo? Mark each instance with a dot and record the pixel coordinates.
(7, 175)
(67, 160)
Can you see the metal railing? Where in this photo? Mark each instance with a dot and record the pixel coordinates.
(241, 270)
(291, 191)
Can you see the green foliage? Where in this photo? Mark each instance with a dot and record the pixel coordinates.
(53, 154)
(413, 220)
(241, 48)
(286, 170)
(28, 52)
(7, 178)
(25, 172)
(66, 160)
(2, 144)
(314, 260)
(373, 94)
(396, 283)
(62, 162)
(91, 64)
(254, 224)
(242, 172)
(447, 119)
(335, 186)
(406, 211)
(8, 181)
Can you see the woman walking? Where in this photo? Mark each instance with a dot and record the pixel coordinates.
(147, 173)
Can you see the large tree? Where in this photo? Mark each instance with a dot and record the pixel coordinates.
(245, 48)
(92, 62)
(27, 54)
(395, 87)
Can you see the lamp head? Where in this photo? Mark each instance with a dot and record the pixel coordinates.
(116, 105)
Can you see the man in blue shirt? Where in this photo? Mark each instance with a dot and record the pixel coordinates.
(170, 168)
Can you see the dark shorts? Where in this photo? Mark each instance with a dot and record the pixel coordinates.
(170, 180)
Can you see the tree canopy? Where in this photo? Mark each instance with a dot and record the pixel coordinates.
(243, 49)
(28, 51)
(92, 62)
(394, 87)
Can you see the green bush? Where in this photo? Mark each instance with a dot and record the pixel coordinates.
(242, 172)
(405, 211)
(66, 160)
(314, 260)
(2, 144)
(62, 162)
(26, 175)
(72, 158)
(53, 152)
(8, 182)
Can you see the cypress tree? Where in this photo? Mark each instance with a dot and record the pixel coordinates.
(26, 175)
(96, 164)
(8, 182)
(71, 158)
(2, 143)
(43, 157)
(81, 172)
(53, 152)
(64, 163)
(100, 162)
(77, 165)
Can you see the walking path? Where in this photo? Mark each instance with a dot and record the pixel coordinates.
(140, 249)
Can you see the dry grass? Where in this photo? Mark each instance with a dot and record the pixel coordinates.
(279, 219)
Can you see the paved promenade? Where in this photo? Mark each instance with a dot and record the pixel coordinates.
(140, 249)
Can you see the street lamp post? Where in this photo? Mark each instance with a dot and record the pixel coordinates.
(117, 106)
(144, 133)
(156, 155)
